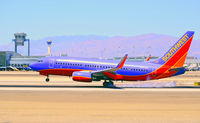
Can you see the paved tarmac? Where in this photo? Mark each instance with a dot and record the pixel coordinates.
(26, 98)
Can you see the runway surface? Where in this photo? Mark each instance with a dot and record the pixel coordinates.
(26, 98)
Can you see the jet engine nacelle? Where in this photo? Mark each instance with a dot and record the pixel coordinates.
(82, 76)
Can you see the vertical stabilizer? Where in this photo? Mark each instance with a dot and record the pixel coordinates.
(176, 55)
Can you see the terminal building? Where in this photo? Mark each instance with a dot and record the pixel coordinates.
(12, 59)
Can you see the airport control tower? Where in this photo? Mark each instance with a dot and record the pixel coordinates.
(19, 40)
(49, 42)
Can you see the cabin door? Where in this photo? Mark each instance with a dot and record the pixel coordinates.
(51, 63)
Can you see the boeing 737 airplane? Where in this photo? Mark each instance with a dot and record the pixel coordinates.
(88, 70)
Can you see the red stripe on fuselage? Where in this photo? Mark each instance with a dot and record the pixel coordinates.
(65, 72)
(68, 72)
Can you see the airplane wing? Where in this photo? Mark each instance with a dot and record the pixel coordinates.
(110, 70)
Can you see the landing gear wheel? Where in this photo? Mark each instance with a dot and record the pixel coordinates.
(47, 79)
(105, 84)
(109, 84)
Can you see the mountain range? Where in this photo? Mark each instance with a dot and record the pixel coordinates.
(94, 46)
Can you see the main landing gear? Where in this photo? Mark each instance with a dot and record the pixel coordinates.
(108, 84)
(47, 79)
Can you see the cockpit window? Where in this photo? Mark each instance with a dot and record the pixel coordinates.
(40, 60)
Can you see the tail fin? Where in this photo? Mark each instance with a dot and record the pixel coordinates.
(176, 55)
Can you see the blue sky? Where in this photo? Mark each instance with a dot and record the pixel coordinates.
(43, 18)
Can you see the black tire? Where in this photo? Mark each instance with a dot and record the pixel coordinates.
(47, 79)
(110, 84)
(105, 84)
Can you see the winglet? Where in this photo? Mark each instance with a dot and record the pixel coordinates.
(148, 58)
(121, 64)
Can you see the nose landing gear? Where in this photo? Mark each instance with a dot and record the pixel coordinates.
(47, 79)
(108, 84)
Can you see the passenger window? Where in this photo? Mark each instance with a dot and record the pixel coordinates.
(40, 61)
